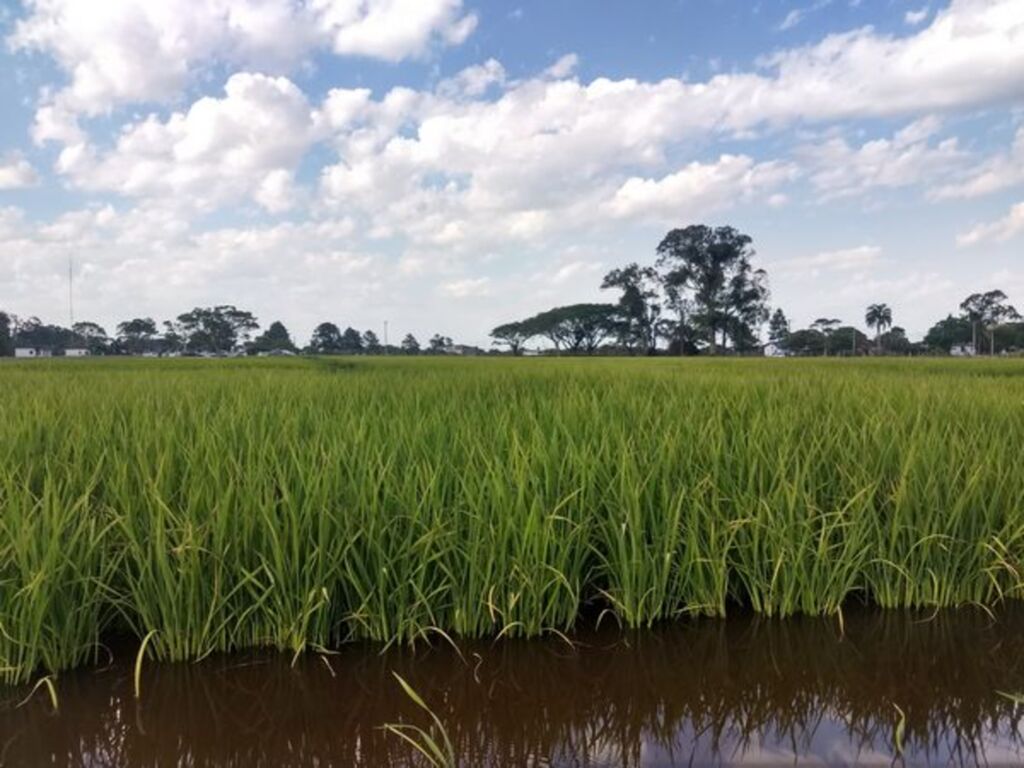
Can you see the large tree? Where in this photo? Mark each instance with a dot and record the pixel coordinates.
(93, 336)
(351, 341)
(134, 335)
(948, 333)
(326, 339)
(639, 306)
(576, 327)
(438, 344)
(275, 339)
(709, 270)
(806, 343)
(879, 317)
(826, 326)
(410, 345)
(217, 329)
(987, 311)
(371, 343)
(511, 335)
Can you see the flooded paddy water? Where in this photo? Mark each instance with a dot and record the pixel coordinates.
(883, 688)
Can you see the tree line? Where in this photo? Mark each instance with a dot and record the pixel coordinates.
(703, 295)
(219, 330)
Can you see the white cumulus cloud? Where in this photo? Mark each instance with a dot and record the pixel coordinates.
(997, 231)
(16, 172)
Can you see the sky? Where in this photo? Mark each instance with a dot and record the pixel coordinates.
(448, 165)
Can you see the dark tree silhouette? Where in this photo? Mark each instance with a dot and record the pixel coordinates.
(275, 339)
(326, 339)
(409, 345)
(639, 307)
(711, 268)
(511, 335)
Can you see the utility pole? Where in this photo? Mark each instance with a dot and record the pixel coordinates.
(386, 350)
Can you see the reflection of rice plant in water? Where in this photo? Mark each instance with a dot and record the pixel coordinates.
(225, 505)
(434, 745)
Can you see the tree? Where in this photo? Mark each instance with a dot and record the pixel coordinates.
(134, 335)
(778, 328)
(275, 339)
(216, 330)
(988, 311)
(948, 333)
(511, 335)
(409, 345)
(710, 267)
(351, 342)
(879, 317)
(850, 340)
(326, 339)
(32, 332)
(639, 308)
(173, 337)
(371, 344)
(807, 342)
(438, 344)
(93, 336)
(587, 326)
(6, 337)
(895, 340)
(576, 327)
(826, 327)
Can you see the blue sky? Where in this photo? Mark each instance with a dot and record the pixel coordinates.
(447, 165)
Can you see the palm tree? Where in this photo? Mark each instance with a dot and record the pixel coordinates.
(879, 317)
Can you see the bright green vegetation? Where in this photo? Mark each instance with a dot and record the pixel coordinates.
(298, 504)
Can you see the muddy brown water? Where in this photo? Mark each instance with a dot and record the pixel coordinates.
(889, 688)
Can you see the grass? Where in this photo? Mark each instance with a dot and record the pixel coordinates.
(212, 506)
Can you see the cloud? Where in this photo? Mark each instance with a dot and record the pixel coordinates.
(971, 53)
(909, 158)
(137, 51)
(564, 67)
(915, 18)
(473, 81)
(998, 231)
(393, 29)
(796, 15)
(999, 172)
(699, 188)
(16, 172)
(469, 287)
(147, 260)
(845, 260)
(243, 145)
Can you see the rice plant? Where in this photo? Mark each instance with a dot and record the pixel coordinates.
(217, 505)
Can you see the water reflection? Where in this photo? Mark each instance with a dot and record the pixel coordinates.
(740, 692)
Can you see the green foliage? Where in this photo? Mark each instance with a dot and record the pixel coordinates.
(215, 330)
(709, 269)
(948, 333)
(6, 339)
(213, 506)
(275, 339)
(410, 346)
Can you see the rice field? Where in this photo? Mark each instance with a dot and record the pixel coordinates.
(299, 504)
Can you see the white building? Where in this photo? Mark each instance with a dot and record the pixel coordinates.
(32, 352)
(962, 350)
(774, 350)
(76, 352)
